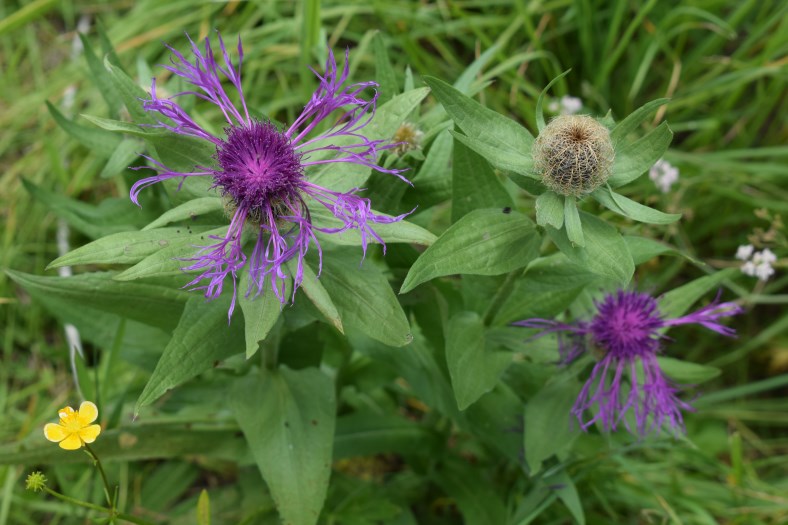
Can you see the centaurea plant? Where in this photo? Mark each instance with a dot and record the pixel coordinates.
(627, 332)
(260, 171)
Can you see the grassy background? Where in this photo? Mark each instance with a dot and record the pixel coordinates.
(722, 63)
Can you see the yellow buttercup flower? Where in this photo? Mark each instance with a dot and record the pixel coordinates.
(74, 429)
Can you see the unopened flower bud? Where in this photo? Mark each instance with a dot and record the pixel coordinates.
(573, 155)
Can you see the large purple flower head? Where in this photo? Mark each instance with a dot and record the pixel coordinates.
(259, 170)
(627, 333)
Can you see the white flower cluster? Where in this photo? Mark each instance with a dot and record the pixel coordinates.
(566, 105)
(664, 175)
(757, 264)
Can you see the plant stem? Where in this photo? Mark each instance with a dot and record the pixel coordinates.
(107, 491)
(85, 504)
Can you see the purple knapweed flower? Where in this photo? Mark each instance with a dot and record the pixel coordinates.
(259, 170)
(627, 333)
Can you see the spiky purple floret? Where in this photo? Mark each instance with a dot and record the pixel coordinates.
(627, 331)
(261, 170)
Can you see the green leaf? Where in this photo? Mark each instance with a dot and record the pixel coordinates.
(629, 208)
(684, 372)
(476, 496)
(635, 158)
(574, 230)
(121, 126)
(96, 140)
(131, 94)
(676, 302)
(633, 121)
(474, 184)
(260, 313)
(288, 417)
(496, 132)
(147, 303)
(388, 118)
(204, 508)
(187, 211)
(484, 242)
(181, 153)
(519, 162)
(170, 260)
(316, 293)
(126, 247)
(384, 73)
(605, 252)
(395, 232)
(540, 123)
(548, 288)
(433, 181)
(364, 298)
(367, 434)
(644, 249)
(201, 339)
(548, 426)
(473, 370)
(126, 153)
(111, 216)
(100, 76)
(567, 493)
(550, 210)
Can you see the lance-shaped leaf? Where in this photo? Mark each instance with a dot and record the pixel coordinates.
(550, 210)
(635, 158)
(605, 253)
(364, 298)
(502, 141)
(473, 369)
(288, 418)
(474, 184)
(127, 247)
(201, 339)
(187, 211)
(629, 208)
(483, 242)
(260, 313)
(317, 293)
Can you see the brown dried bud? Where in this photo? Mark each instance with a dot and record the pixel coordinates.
(573, 155)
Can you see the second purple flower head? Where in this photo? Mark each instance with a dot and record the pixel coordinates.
(259, 170)
(626, 336)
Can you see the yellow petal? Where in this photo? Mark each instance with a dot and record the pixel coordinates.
(89, 434)
(65, 412)
(87, 413)
(55, 433)
(72, 442)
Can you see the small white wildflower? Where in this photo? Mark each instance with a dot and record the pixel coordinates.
(764, 257)
(749, 268)
(763, 271)
(744, 252)
(664, 175)
(566, 105)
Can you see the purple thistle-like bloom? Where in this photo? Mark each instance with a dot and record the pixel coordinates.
(259, 170)
(626, 330)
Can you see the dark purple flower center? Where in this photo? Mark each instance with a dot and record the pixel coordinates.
(626, 325)
(258, 167)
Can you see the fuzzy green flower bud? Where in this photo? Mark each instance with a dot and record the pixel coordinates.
(573, 155)
(36, 481)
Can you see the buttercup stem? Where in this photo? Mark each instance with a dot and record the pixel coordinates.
(107, 491)
(85, 504)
